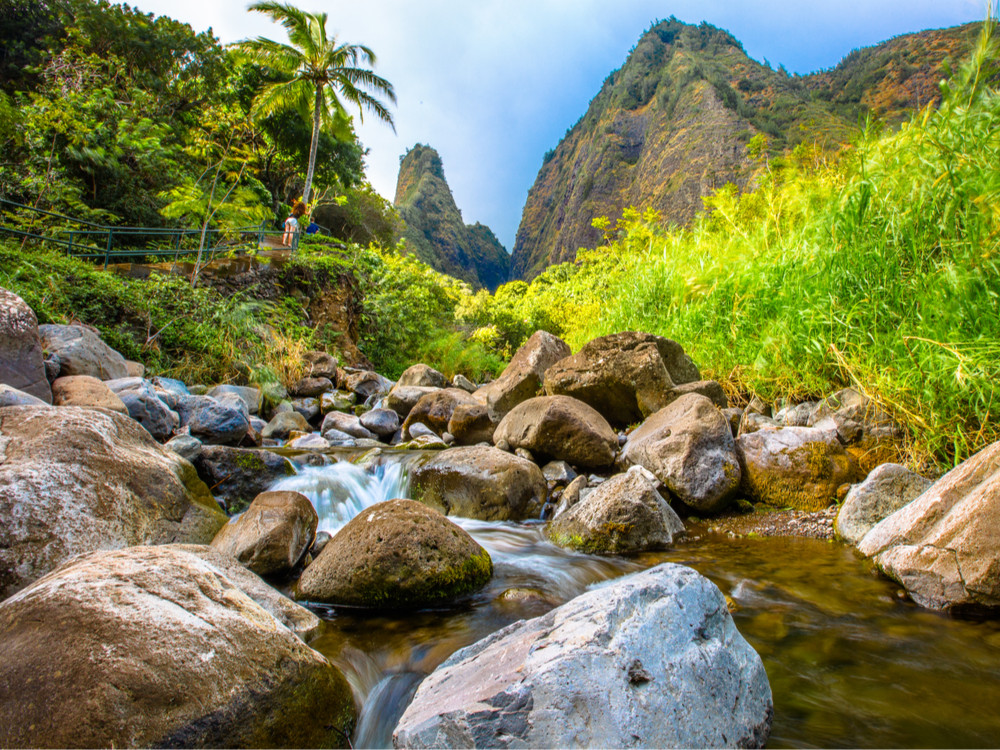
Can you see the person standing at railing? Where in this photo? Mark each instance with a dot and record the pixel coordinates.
(292, 223)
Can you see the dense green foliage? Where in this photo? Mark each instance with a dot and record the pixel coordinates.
(880, 269)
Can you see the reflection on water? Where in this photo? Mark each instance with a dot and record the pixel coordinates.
(851, 663)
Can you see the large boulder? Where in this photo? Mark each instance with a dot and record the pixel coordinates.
(237, 475)
(366, 383)
(86, 391)
(382, 422)
(394, 555)
(160, 646)
(480, 482)
(75, 480)
(146, 408)
(522, 378)
(625, 376)
(561, 428)
(650, 660)
(887, 489)
(797, 467)
(22, 364)
(623, 515)
(689, 446)
(944, 546)
(273, 535)
(402, 398)
(435, 409)
(211, 421)
(424, 376)
(82, 352)
(471, 424)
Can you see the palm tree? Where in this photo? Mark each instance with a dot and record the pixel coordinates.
(315, 75)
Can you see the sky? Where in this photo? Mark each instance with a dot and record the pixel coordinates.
(494, 84)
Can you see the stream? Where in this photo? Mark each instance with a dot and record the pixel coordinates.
(851, 661)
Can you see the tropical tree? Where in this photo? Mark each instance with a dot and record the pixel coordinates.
(314, 74)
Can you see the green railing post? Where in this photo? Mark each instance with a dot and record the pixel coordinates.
(107, 249)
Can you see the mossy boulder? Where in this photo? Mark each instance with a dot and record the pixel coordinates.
(480, 482)
(398, 554)
(237, 475)
(794, 467)
(623, 515)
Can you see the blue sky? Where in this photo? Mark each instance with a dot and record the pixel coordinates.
(494, 84)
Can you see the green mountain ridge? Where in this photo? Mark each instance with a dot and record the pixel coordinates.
(434, 230)
(674, 123)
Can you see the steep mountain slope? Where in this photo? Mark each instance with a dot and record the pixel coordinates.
(434, 230)
(673, 124)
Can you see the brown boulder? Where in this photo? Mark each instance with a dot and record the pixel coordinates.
(402, 398)
(396, 554)
(435, 409)
(22, 364)
(310, 387)
(160, 646)
(75, 480)
(471, 424)
(710, 389)
(480, 482)
(86, 391)
(625, 376)
(272, 535)
(317, 364)
(522, 378)
(423, 376)
(365, 384)
(689, 446)
(561, 428)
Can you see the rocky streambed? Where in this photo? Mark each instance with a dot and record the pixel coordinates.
(593, 549)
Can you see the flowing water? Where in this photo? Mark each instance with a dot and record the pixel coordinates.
(851, 662)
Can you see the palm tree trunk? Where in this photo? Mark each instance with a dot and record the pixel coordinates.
(314, 146)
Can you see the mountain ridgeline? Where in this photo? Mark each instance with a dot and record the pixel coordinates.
(674, 124)
(434, 230)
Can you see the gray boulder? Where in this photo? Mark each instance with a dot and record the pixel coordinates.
(13, 397)
(310, 387)
(81, 352)
(367, 384)
(284, 423)
(146, 408)
(710, 389)
(161, 647)
(252, 397)
(689, 446)
(460, 381)
(347, 423)
(237, 475)
(650, 660)
(382, 422)
(22, 364)
(185, 446)
(272, 535)
(402, 398)
(522, 378)
(423, 376)
(171, 385)
(212, 422)
(887, 489)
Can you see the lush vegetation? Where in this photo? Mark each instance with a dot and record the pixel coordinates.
(879, 269)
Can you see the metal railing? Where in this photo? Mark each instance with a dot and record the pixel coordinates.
(109, 244)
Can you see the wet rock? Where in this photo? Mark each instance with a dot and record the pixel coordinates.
(237, 475)
(13, 397)
(650, 660)
(436, 409)
(310, 387)
(81, 352)
(623, 515)
(403, 398)
(162, 646)
(75, 480)
(319, 364)
(283, 423)
(398, 554)
(272, 535)
(522, 378)
(480, 482)
(382, 422)
(943, 547)
(689, 446)
(471, 424)
(887, 489)
(22, 363)
(797, 467)
(86, 391)
(559, 472)
(626, 376)
(346, 423)
(252, 397)
(560, 428)
(460, 381)
(423, 376)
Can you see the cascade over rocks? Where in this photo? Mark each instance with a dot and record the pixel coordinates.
(562, 428)
(650, 660)
(943, 547)
(522, 378)
(887, 489)
(623, 515)
(435, 409)
(396, 554)
(162, 646)
(689, 446)
(22, 364)
(797, 467)
(75, 480)
(626, 376)
(272, 535)
(480, 482)
(82, 352)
